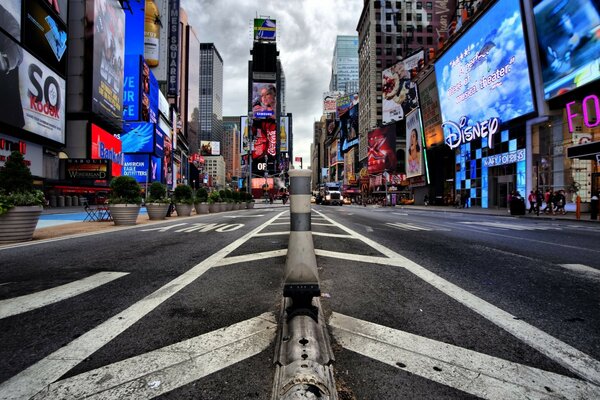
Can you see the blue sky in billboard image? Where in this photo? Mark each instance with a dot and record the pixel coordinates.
(485, 73)
(306, 33)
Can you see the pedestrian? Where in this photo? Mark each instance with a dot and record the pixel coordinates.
(531, 198)
(538, 201)
(466, 199)
(547, 197)
(457, 200)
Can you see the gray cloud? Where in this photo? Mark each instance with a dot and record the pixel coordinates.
(306, 31)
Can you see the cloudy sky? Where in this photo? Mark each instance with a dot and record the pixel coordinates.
(306, 32)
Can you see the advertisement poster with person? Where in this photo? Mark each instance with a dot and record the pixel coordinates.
(399, 91)
(382, 150)
(264, 100)
(414, 147)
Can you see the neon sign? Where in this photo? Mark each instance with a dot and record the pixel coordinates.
(589, 122)
(462, 133)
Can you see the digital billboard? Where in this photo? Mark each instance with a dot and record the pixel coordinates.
(414, 147)
(399, 91)
(107, 147)
(330, 102)
(138, 137)
(131, 88)
(42, 93)
(107, 21)
(45, 34)
(10, 18)
(264, 100)
(134, 28)
(349, 129)
(245, 136)
(173, 53)
(264, 133)
(283, 133)
(430, 111)
(210, 148)
(568, 34)
(265, 29)
(136, 166)
(382, 150)
(483, 78)
(159, 45)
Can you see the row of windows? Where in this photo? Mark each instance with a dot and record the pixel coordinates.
(408, 4)
(399, 40)
(409, 28)
(395, 18)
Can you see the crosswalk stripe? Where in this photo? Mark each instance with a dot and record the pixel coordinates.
(409, 227)
(160, 371)
(501, 225)
(467, 370)
(22, 304)
(582, 269)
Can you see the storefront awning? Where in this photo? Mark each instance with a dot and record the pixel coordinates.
(586, 151)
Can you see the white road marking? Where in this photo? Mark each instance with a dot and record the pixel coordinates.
(516, 227)
(584, 269)
(369, 229)
(335, 235)
(244, 216)
(46, 371)
(353, 257)
(397, 213)
(407, 227)
(263, 234)
(160, 371)
(21, 304)
(280, 223)
(566, 355)
(251, 257)
(472, 372)
(320, 224)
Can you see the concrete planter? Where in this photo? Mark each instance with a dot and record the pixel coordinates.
(214, 208)
(18, 224)
(157, 211)
(201, 208)
(222, 207)
(250, 205)
(183, 210)
(125, 214)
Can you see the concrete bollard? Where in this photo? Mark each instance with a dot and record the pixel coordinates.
(61, 201)
(301, 281)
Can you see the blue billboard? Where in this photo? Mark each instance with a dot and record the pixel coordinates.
(131, 88)
(138, 137)
(483, 78)
(136, 166)
(134, 28)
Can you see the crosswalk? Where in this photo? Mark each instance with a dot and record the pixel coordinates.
(480, 225)
(414, 227)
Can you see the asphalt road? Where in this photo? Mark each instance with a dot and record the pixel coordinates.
(419, 304)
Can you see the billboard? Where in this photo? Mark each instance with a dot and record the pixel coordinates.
(382, 150)
(77, 169)
(159, 44)
(414, 147)
(483, 78)
(134, 29)
(265, 29)
(430, 111)
(330, 102)
(107, 147)
(345, 103)
(398, 89)
(173, 53)
(264, 100)
(349, 129)
(10, 18)
(567, 34)
(131, 88)
(209, 148)
(107, 19)
(42, 94)
(137, 166)
(264, 150)
(138, 137)
(245, 136)
(283, 133)
(45, 34)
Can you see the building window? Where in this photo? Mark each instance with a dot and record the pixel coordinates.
(388, 16)
(419, 5)
(408, 5)
(378, 28)
(429, 28)
(377, 4)
(429, 5)
(420, 40)
(378, 39)
(388, 40)
(388, 51)
(399, 16)
(419, 28)
(388, 28)
(409, 17)
(429, 40)
(429, 17)
(388, 4)
(398, 39)
(378, 63)
(398, 5)
(419, 17)
(378, 51)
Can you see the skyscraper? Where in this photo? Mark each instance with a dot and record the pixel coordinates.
(211, 93)
(344, 66)
(231, 147)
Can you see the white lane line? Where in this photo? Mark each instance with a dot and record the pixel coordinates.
(397, 213)
(251, 257)
(566, 355)
(472, 372)
(160, 371)
(22, 304)
(46, 371)
(516, 227)
(272, 233)
(409, 227)
(353, 257)
(321, 224)
(244, 216)
(368, 229)
(335, 235)
(584, 269)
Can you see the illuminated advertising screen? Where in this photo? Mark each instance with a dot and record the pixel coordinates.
(483, 79)
(168, 160)
(264, 100)
(10, 18)
(156, 169)
(159, 141)
(245, 134)
(330, 102)
(45, 34)
(131, 88)
(159, 45)
(349, 129)
(78, 169)
(283, 133)
(265, 29)
(136, 166)
(107, 21)
(60, 7)
(134, 28)
(399, 91)
(209, 148)
(414, 147)
(42, 93)
(265, 146)
(138, 137)
(173, 53)
(107, 147)
(382, 150)
(430, 111)
(568, 35)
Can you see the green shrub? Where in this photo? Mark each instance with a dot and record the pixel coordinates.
(201, 195)
(16, 185)
(183, 194)
(157, 193)
(125, 190)
(235, 196)
(214, 197)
